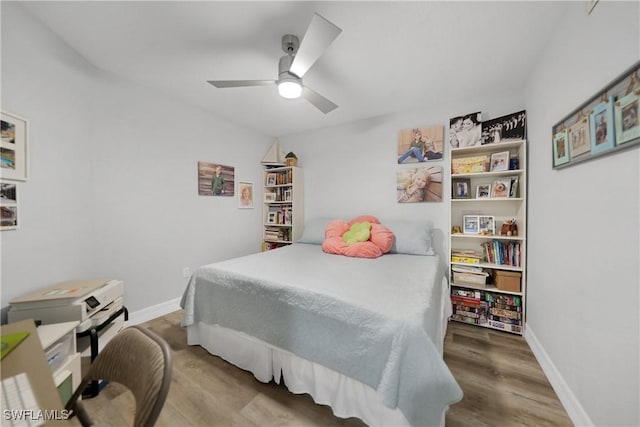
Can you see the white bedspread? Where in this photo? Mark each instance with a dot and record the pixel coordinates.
(378, 321)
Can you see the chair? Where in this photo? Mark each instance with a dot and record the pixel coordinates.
(139, 360)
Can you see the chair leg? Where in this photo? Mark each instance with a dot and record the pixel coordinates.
(81, 413)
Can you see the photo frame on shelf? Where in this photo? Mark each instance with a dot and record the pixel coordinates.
(627, 122)
(513, 189)
(288, 195)
(270, 196)
(560, 148)
(8, 205)
(486, 225)
(470, 224)
(499, 161)
(272, 178)
(461, 188)
(272, 217)
(601, 123)
(483, 191)
(501, 188)
(580, 141)
(13, 147)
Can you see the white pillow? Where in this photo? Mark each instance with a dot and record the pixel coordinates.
(314, 231)
(411, 237)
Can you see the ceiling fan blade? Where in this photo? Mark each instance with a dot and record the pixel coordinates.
(318, 101)
(240, 83)
(320, 34)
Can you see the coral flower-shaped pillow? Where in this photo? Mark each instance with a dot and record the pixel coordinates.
(362, 237)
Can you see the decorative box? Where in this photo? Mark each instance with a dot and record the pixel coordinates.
(507, 280)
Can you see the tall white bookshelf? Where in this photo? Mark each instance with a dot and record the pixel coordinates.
(283, 210)
(496, 300)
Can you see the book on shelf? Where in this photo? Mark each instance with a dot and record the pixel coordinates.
(468, 293)
(512, 300)
(505, 326)
(466, 256)
(502, 253)
(505, 313)
(476, 164)
(506, 320)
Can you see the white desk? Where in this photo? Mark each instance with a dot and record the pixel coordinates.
(61, 338)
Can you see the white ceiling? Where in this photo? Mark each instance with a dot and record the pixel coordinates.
(390, 57)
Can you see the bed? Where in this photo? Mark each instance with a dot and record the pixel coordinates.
(363, 336)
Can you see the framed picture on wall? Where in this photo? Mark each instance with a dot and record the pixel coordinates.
(420, 144)
(13, 147)
(601, 122)
(245, 195)
(215, 179)
(580, 141)
(8, 205)
(560, 148)
(626, 117)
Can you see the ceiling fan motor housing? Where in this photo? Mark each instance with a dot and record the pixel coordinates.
(290, 44)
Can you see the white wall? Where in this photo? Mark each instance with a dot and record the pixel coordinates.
(584, 223)
(350, 170)
(113, 185)
(51, 86)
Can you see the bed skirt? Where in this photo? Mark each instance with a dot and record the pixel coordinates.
(346, 397)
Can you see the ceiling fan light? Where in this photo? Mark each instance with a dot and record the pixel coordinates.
(290, 89)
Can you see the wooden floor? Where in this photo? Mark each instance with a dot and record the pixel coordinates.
(502, 382)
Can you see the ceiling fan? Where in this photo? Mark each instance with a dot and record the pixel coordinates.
(300, 56)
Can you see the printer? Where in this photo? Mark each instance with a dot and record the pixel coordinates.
(91, 302)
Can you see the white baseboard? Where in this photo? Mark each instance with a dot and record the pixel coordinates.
(571, 404)
(154, 311)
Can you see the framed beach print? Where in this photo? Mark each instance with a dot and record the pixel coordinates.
(8, 205)
(470, 224)
(601, 122)
(499, 161)
(245, 195)
(501, 188)
(461, 188)
(483, 191)
(580, 141)
(560, 149)
(626, 117)
(486, 225)
(13, 147)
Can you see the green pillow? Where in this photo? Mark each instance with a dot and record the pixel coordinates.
(359, 232)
